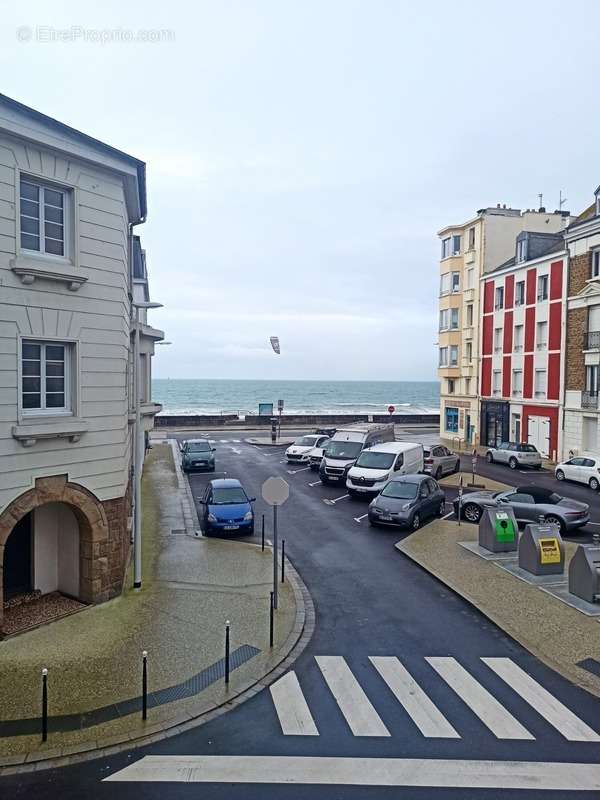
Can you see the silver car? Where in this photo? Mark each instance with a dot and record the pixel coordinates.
(439, 461)
(528, 503)
(515, 454)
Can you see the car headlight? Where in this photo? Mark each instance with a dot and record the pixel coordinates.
(376, 510)
(406, 506)
(211, 518)
(248, 516)
(384, 477)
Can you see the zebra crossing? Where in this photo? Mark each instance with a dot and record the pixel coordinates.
(362, 718)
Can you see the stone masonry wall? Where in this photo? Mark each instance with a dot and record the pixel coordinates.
(575, 360)
(115, 552)
(579, 272)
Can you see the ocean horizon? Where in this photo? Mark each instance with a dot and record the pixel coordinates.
(230, 395)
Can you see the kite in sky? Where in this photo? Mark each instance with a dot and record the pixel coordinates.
(275, 344)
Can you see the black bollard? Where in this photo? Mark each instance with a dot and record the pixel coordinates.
(227, 652)
(263, 533)
(144, 685)
(283, 560)
(271, 622)
(44, 704)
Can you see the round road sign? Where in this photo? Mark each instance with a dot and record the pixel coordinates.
(391, 409)
(275, 491)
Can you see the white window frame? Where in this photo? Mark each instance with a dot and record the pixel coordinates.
(520, 301)
(541, 345)
(454, 315)
(497, 382)
(450, 385)
(471, 238)
(446, 247)
(445, 284)
(70, 370)
(517, 391)
(518, 345)
(454, 278)
(498, 337)
(469, 352)
(521, 251)
(456, 236)
(596, 263)
(499, 298)
(470, 278)
(453, 362)
(443, 319)
(443, 358)
(543, 287)
(540, 393)
(66, 193)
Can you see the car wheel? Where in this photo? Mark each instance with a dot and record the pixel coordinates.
(560, 475)
(489, 458)
(416, 522)
(594, 484)
(472, 512)
(457, 466)
(513, 463)
(442, 508)
(551, 519)
(438, 473)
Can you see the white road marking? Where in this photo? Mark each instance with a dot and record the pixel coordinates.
(551, 709)
(212, 441)
(429, 772)
(352, 701)
(329, 502)
(358, 519)
(593, 523)
(316, 483)
(450, 514)
(236, 441)
(291, 707)
(235, 450)
(224, 441)
(502, 724)
(426, 716)
(294, 471)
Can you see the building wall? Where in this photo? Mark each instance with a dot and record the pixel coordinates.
(95, 318)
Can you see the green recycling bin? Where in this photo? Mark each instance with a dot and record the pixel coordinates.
(498, 530)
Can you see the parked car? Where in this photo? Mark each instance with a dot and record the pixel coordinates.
(439, 461)
(226, 508)
(197, 454)
(315, 456)
(528, 503)
(515, 454)
(376, 465)
(347, 444)
(298, 452)
(406, 501)
(583, 469)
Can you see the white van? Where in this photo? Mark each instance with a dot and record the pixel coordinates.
(346, 445)
(375, 466)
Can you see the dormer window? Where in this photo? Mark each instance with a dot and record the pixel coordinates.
(596, 263)
(598, 202)
(521, 250)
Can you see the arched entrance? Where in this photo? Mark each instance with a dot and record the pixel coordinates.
(54, 538)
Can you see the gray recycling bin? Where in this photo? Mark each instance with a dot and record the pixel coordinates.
(541, 550)
(498, 530)
(584, 573)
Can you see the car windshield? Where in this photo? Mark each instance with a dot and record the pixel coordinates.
(401, 491)
(343, 449)
(372, 460)
(306, 441)
(197, 447)
(223, 496)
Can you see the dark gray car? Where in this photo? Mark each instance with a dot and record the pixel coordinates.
(528, 503)
(406, 501)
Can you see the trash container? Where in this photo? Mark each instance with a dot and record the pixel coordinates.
(584, 573)
(541, 550)
(498, 530)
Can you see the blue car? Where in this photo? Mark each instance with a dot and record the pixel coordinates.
(227, 508)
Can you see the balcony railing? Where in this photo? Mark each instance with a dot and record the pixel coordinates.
(592, 340)
(589, 399)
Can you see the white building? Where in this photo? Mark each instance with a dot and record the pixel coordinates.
(70, 267)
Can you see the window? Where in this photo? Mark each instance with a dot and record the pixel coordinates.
(497, 340)
(521, 250)
(469, 352)
(446, 246)
(455, 281)
(450, 385)
(499, 298)
(540, 383)
(591, 379)
(444, 319)
(453, 355)
(542, 292)
(454, 318)
(42, 216)
(445, 283)
(443, 356)
(467, 385)
(471, 238)
(518, 339)
(45, 368)
(497, 382)
(517, 382)
(520, 293)
(596, 263)
(470, 283)
(470, 315)
(452, 420)
(456, 245)
(541, 336)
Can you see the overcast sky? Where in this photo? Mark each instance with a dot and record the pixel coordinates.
(302, 155)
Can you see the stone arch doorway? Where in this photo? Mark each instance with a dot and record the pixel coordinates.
(53, 537)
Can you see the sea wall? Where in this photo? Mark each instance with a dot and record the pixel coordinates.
(290, 420)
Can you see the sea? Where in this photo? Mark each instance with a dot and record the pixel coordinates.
(299, 397)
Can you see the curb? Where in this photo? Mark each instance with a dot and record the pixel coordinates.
(190, 512)
(290, 650)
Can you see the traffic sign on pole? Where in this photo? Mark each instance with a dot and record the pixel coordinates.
(275, 492)
(391, 409)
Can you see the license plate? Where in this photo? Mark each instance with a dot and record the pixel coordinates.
(386, 518)
(361, 490)
(230, 527)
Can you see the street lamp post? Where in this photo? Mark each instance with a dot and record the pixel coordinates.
(138, 449)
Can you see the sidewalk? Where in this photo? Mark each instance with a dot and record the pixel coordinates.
(557, 634)
(191, 587)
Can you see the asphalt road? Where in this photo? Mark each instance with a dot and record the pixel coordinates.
(371, 602)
